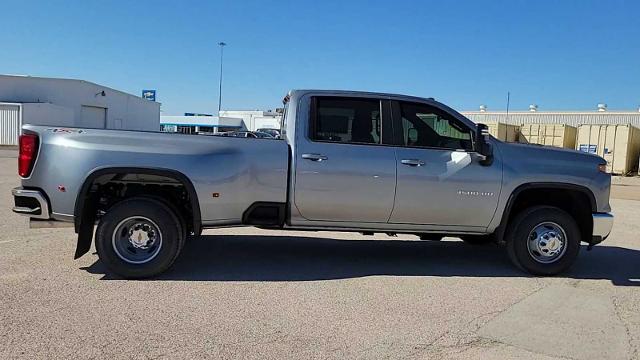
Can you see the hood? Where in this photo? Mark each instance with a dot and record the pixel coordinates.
(534, 152)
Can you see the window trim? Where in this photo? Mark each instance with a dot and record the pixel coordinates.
(398, 136)
(386, 126)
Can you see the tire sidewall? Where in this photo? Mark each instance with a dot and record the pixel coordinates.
(525, 222)
(161, 215)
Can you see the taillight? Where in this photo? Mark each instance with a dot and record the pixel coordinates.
(602, 168)
(28, 153)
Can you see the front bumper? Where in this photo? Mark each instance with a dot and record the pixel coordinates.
(32, 203)
(602, 225)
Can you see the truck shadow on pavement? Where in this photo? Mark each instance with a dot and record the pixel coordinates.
(290, 258)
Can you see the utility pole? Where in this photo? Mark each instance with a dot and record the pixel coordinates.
(508, 101)
(222, 45)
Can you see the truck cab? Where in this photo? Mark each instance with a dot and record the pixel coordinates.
(398, 163)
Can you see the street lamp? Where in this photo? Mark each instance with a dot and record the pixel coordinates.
(222, 45)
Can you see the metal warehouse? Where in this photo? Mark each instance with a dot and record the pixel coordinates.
(573, 118)
(70, 102)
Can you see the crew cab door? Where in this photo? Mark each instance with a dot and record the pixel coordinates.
(440, 179)
(343, 171)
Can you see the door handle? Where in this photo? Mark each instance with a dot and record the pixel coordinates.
(412, 162)
(314, 157)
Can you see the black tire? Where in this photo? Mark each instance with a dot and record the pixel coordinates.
(523, 225)
(478, 239)
(138, 210)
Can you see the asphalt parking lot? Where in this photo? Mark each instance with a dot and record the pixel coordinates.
(249, 293)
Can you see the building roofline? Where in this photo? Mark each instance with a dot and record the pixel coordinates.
(74, 80)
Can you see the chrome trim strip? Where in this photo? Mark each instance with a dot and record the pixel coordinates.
(602, 224)
(44, 205)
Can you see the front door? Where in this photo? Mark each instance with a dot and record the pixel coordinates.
(440, 180)
(343, 172)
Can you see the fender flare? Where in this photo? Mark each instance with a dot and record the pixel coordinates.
(84, 210)
(500, 230)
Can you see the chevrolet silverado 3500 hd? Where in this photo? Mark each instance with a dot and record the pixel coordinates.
(347, 161)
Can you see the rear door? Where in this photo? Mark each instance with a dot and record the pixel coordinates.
(343, 171)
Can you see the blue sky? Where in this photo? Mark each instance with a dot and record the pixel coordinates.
(558, 54)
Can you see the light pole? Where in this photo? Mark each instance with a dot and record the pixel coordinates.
(222, 45)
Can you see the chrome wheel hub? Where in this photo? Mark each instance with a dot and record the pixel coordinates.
(547, 242)
(137, 240)
(142, 236)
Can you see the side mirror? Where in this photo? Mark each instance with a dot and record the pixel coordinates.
(482, 146)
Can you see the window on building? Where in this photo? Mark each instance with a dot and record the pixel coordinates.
(185, 129)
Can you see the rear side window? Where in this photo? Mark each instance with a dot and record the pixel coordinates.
(346, 120)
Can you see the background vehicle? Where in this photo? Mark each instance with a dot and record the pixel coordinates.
(248, 134)
(350, 161)
(273, 132)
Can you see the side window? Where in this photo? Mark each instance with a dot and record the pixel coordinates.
(346, 120)
(426, 126)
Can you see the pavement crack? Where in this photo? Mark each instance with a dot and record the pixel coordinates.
(633, 351)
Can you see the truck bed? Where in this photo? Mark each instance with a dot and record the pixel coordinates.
(228, 174)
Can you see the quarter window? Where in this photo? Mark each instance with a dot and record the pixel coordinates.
(426, 126)
(346, 120)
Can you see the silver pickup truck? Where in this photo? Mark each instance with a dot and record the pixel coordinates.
(347, 161)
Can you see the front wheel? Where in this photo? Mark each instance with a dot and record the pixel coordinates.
(543, 240)
(139, 238)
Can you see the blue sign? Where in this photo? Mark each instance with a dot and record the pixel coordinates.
(149, 95)
(196, 114)
(588, 148)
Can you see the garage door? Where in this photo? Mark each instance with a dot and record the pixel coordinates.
(93, 117)
(9, 124)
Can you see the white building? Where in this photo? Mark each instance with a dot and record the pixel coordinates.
(70, 103)
(256, 119)
(200, 124)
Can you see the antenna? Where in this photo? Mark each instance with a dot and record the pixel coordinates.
(508, 100)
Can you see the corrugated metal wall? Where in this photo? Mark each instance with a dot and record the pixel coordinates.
(9, 124)
(569, 118)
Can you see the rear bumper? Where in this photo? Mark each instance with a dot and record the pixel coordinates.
(32, 203)
(602, 225)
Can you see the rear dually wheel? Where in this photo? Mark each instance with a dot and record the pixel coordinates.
(139, 237)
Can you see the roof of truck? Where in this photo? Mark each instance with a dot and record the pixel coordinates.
(358, 92)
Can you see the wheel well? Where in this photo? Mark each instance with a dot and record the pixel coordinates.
(110, 186)
(576, 203)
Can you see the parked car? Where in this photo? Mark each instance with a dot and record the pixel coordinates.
(273, 132)
(349, 161)
(248, 134)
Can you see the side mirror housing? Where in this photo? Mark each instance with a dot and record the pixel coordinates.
(482, 146)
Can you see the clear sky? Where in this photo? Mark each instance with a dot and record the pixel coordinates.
(561, 55)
